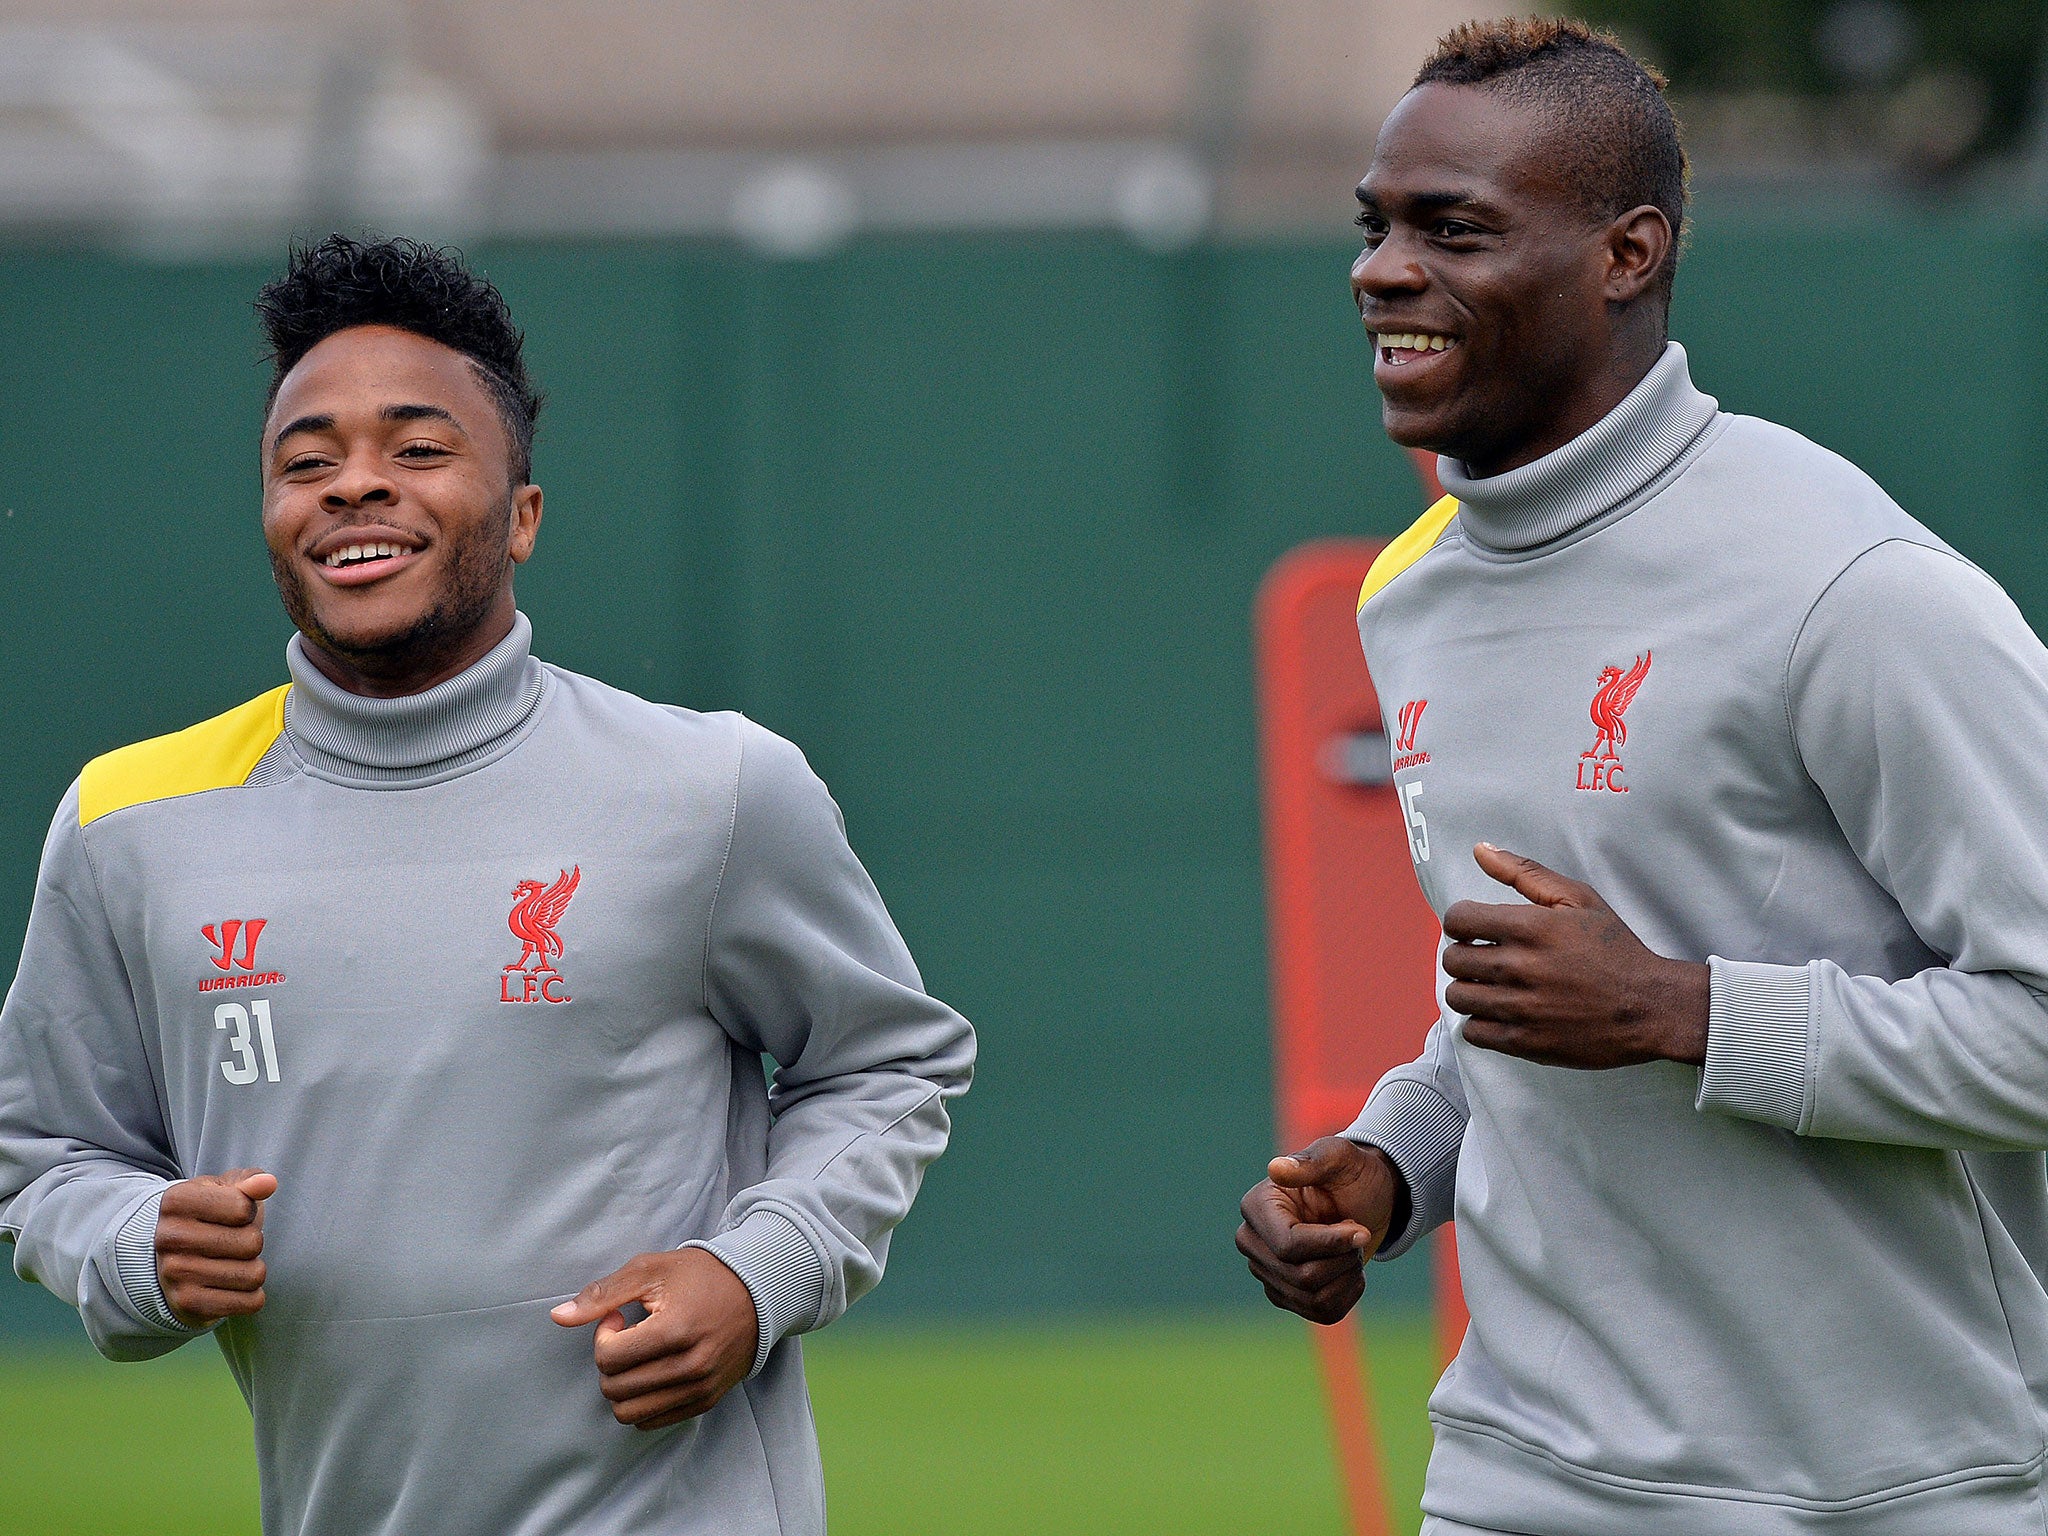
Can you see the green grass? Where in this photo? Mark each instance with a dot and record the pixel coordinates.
(95, 1448)
(1090, 1430)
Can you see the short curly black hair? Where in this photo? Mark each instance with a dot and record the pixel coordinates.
(341, 283)
(1618, 141)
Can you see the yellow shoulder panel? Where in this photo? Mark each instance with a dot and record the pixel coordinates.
(214, 754)
(1410, 547)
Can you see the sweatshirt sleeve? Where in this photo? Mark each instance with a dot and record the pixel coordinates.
(805, 965)
(1416, 1114)
(1918, 698)
(84, 1152)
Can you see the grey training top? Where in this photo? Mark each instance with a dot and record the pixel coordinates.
(1712, 670)
(485, 976)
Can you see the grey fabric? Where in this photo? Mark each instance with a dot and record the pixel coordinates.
(1800, 1290)
(280, 762)
(135, 1264)
(1756, 1042)
(1418, 1119)
(1598, 473)
(771, 1254)
(465, 1133)
(472, 719)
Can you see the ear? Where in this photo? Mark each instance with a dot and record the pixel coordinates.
(1637, 244)
(525, 521)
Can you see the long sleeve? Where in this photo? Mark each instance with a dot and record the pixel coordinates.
(805, 965)
(1918, 698)
(1416, 1114)
(84, 1152)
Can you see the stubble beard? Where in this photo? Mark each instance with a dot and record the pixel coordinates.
(476, 577)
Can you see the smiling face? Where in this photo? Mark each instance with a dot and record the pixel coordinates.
(390, 509)
(1506, 317)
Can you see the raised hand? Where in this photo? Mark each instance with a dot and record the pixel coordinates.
(696, 1343)
(1313, 1221)
(209, 1245)
(1564, 981)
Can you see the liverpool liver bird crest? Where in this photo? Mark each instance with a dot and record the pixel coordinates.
(536, 908)
(1610, 703)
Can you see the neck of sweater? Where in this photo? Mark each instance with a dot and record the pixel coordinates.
(474, 717)
(1601, 470)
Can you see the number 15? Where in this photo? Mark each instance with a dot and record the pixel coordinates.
(1418, 824)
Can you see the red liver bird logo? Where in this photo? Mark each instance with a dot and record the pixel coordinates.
(1610, 702)
(1600, 767)
(536, 908)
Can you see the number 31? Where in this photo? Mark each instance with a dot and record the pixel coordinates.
(235, 1016)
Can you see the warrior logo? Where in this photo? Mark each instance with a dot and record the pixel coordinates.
(223, 937)
(1411, 717)
(1600, 768)
(536, 908)
(1405, 755)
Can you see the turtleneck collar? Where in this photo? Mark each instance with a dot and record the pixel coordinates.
(1604, 469)
(475, 717)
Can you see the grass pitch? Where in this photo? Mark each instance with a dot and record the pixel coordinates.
(1102, 1429)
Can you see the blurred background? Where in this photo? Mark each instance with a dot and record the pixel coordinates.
(933, 380)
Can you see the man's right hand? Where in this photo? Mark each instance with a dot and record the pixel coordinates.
(209, 1245)
(1314, 1220)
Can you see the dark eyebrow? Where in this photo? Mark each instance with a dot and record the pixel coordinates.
(302, 424)
(1429, 202)
(394, 413)
(1436, 202)
(420, 413)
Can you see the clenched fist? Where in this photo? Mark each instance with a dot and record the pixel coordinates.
(209, 1245)
(1313, 1221)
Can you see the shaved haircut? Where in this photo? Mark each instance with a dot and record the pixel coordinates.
(1615, 139)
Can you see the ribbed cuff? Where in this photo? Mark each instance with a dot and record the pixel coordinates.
(1420, 1131)
(781, 1271)
(135, 1264)
(1757, 1038)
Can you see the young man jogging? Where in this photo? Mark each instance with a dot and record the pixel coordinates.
(403, 1023)
(1740, 1106)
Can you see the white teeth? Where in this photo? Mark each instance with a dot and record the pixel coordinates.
(355, 554)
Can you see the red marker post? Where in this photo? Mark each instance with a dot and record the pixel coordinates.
(1353, 943)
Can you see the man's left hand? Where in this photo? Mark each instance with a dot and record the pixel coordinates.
(696, 1343)
(1564, 981)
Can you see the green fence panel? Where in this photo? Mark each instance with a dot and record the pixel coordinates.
(976, 521)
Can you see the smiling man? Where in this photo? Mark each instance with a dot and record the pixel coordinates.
(1740, 1083)
(401, 1024)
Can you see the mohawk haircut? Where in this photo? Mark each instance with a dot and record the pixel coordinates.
(342, 283)
(1614, 138)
